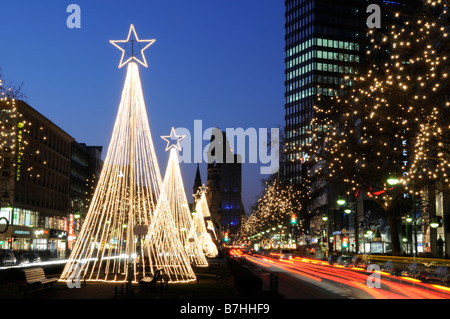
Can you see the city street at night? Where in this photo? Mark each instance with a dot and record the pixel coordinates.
(307, 278)
(225, 158)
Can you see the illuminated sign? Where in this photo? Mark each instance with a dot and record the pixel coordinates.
(71, 227)
(41, 232)
(19, 150)
(22, 232)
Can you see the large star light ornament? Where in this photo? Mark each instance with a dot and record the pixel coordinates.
(173, 140)
(134, 53)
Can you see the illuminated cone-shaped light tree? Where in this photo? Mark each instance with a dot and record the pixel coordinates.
(127, 190)
(167, 248)
(175, 194)
(204, 226)
(166, 252)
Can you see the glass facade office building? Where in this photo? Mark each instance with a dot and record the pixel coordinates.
(323, 43)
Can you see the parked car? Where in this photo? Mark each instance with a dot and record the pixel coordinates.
(415, 271)
(360, 261)
(390, 268)
(29, 258)
(446, 280)
(439, 276)
(7, 257)
(333, 259)
(344, 260)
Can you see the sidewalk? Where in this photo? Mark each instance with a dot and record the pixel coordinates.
(215, 281)
(90, 290)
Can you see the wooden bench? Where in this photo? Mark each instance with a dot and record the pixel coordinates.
(35, 278)
(150, 281)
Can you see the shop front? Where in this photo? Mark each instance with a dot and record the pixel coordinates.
(377, 247)
(40, 242)
(19, 237)
(57, 243)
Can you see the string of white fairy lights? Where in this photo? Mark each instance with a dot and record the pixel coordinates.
(202, 215)
(175, 195)
(130, 192)
(126, 194)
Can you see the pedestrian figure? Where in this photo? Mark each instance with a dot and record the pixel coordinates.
(440, 247)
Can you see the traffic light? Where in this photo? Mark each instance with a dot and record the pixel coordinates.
(226, 237)
(345, 242)
(293, 219)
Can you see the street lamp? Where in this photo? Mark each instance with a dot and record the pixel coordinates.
(434, 224)
(392, 180)
(327, 229)
(341, 203)
(279, 237)
(408, 220)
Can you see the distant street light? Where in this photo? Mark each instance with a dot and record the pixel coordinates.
(392, 180)
(434, 224)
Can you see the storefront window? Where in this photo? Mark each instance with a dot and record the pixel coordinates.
(41, 244)
(59, 223)
(24, 217)
(6, 213)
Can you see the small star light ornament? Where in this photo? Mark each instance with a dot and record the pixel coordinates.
(173, 140)
(134, 42)
(204, 188)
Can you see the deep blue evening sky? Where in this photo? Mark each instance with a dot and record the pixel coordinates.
(214, 60)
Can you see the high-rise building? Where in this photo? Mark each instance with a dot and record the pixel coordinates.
(224, 182)
(85, 167)
(325, 40)
(323, 43)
